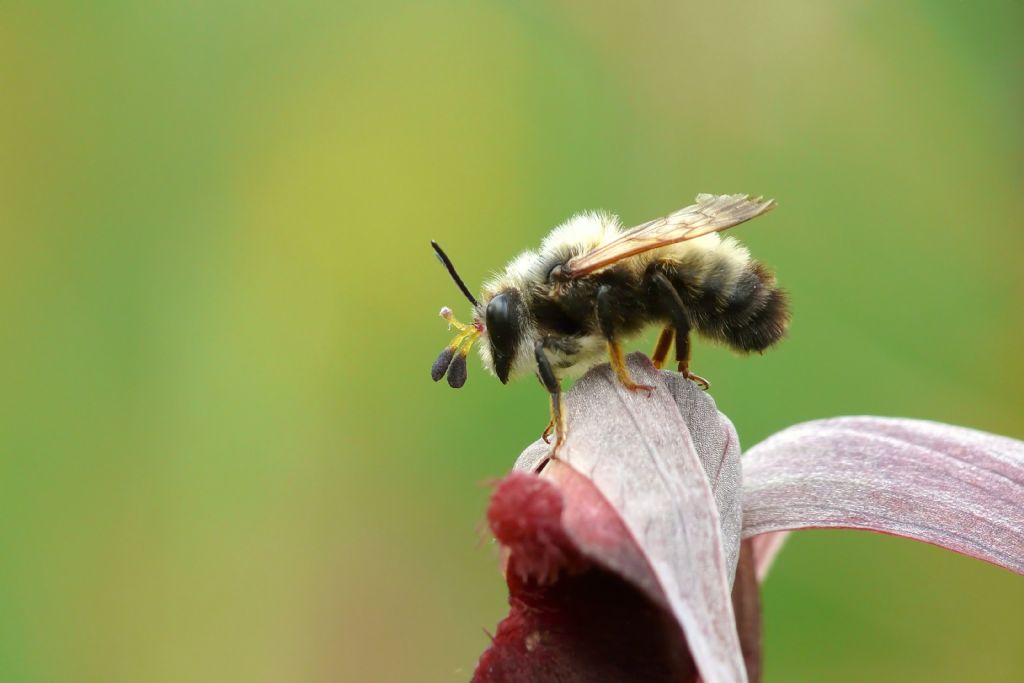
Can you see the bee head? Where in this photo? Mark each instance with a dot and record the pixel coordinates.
(502, 317)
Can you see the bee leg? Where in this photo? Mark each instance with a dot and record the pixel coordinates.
(664, 344)
(681, 322)
(547, 377)
(615, 354)
(546, 434)
(683, 357)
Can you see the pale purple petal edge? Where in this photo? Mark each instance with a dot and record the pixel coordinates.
(766, 548)
(954, 487)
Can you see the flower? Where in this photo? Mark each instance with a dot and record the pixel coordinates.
(637, 553)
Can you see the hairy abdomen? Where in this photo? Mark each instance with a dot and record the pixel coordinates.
(729, 297)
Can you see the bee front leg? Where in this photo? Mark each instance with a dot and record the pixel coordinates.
(671, 300)
(547, 377)
(618, 358)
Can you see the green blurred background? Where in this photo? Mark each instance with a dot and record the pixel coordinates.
(222, 458)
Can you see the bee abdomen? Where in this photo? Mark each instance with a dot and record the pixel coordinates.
(737, 303)
(763, 327)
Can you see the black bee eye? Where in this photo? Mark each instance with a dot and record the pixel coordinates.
(502, 325)
(499, 319)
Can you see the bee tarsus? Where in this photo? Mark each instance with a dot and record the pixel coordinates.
(546, 434)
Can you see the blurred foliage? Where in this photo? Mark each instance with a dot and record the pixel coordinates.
(222, 458)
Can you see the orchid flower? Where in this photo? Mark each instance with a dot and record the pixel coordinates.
(636, 554)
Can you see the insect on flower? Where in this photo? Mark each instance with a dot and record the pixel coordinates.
(591, 286)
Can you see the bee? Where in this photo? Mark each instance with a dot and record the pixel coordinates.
(567, 307)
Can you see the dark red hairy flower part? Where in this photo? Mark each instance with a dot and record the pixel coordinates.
(570, 619)
(525, 514)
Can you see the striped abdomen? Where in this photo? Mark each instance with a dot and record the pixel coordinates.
(729, 297)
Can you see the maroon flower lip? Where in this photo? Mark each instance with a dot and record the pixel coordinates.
(525, 514)
(567, 613)
(623, 557)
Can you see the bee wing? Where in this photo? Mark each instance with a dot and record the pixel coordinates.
(711, 213)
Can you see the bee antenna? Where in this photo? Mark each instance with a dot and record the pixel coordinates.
(443, 258)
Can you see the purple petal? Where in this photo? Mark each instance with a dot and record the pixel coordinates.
(954, 487)
(668, 464)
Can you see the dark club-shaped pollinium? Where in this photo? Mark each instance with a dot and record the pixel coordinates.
(457, 371)
(440, 366)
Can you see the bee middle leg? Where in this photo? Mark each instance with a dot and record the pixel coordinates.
(681, 322)
(615, 353)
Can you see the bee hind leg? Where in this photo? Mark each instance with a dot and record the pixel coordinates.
(683, 358)
(681, 322)
(661, 349)
(547, 377)
(615, 353)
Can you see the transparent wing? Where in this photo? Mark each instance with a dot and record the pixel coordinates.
(711, 213)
